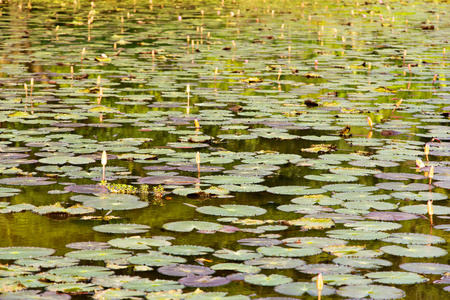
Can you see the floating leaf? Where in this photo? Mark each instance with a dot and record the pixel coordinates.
(155, 259)
(363, 263)
(413, 238)
(399, 186)
(421, 196)
(373, 225)
(344, 279)
(391, 216)
(186, 250)
(288, 252)
(157, 285)
(293, 190)
(242, 254)
(312, 223)
(187, 226)
(332, 177)
(236, 267)
(137, 243)
(391, 277)
(98, 254)
(319, 242)
(48, 262)
(122, 228)
(350, 234)
(224, 179)
(203, 281)
(371, 291)
(422, 209)
(352, 251)
(324, 269)
(73, 288)
(185, 270)
(426, 268)
(299, 288)
(114, 281)
(7, 253)
(82, 271)
(414, 251)
(264, 280)
(111, 294)
(229, 210)
(275, 263)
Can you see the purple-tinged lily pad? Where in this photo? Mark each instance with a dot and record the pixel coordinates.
(185, 270)
(203, 281)
(390, 216)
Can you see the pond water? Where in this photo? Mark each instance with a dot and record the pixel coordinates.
(247, 147)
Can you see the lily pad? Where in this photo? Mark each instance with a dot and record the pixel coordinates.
(8, 253)
(187, 226)
(228, 210)
(299, 288)
(426, 268)
(414, 251)
(391, 277)
(122, 228)
(264, 280)
(371, 291)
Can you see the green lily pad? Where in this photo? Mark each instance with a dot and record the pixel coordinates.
(236, 267)
(426, 268)
(242, 254)
(155, 259)
(187, 226)
(414, 251)
(422, 209)
(186, 250)
(137, 243)
(350, 234)
(61, 160)
(48, 262)
(344, 279)
(8, 253)
(288, 252)
(373, 225)
(391, 277)
(264, 280)
(299, 288)
(275, 262)
(332, 178)
(98, 254)
(122, 228)
(421, 196)
(362, 263)
(413, 238)
(82, 271)
(294, 190)
(228, 210)
(371, 291)
(73, 288)
(157, 285)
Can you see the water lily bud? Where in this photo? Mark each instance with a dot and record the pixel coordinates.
(398, 103)
(319, 282)
(369, 121)
(420, 164)
(426, 149)
(197, 124)
(430, 207)
(197, 158)
(431, 172)
(188, 88)
(104, 158)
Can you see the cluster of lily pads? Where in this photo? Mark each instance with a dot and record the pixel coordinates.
(241, 160)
